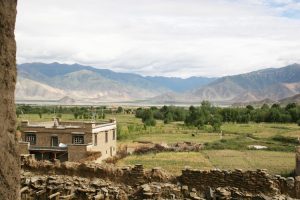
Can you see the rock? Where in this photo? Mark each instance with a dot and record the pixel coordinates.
(146, 188)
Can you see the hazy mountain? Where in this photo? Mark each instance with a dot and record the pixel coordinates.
(180, 84)
(27, 89)
(270, 83)
(293, 99)
(84, 82)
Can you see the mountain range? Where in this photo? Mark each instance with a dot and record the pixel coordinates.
(77, 83)
(40, 81)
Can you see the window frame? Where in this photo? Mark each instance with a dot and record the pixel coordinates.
(95, 139)
(75, 139)
(106, 136)
(31, 138)
(52, 141)
(114, 134)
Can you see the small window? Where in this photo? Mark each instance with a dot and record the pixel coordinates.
(106, 136)
(78, 139)
(95, 140)
(54, 141)
(114, 134)
(31, 138)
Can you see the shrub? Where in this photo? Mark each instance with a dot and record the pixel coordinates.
(285, 139)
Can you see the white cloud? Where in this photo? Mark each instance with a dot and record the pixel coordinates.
(170, 37)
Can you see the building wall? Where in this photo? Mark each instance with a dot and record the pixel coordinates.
(23, 147)
(77, 152)
(108, 148)
(43, 135)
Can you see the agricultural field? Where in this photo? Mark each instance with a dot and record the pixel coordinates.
(228, 150)
(275, 162)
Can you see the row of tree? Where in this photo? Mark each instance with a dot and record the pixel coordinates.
(83, 112)
(206, 114)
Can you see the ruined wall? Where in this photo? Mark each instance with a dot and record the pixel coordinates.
(239, 182)
(9, 159)
(297, 170)
(255, 182)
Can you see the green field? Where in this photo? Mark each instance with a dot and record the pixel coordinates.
(226, 152)
(275, 162)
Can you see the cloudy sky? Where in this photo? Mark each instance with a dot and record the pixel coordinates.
(161, 37)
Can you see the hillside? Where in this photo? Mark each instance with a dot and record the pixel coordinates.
(85, 83)
(272, 83)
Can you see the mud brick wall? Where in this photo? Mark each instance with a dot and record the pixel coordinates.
(9, 157)
(24, 147)
(77, 152)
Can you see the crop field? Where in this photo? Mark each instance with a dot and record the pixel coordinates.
(225, 151)
(275, 162)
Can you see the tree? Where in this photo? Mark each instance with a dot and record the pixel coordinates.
(275, 105)
(265, 107)
(290, 106)
(216, 122)
(76, 115)
(148, 118)
(250, 107)
(168, 118)
(120, 109)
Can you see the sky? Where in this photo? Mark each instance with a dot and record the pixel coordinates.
(180, 38)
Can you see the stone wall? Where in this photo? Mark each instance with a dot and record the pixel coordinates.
(297, 170)
(9, 157)
(238, 182)
(254, 182)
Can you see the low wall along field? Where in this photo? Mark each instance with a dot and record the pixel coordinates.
(237, 183)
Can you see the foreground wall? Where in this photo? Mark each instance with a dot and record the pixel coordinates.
(255, 182)
(9, 159)
(297, 170)
(247, 182)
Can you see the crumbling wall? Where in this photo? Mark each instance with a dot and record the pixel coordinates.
(297, 170)
(255, 182)
(9, 157)
(245, 182)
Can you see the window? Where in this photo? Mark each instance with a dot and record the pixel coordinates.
(114, 134)
(54, 141)
(78, 139)
(95, 140)
(106, 136)
(31, 138)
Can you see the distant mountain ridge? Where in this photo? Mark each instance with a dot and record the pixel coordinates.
(271, 83)
(75, 83)
(89, 83)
